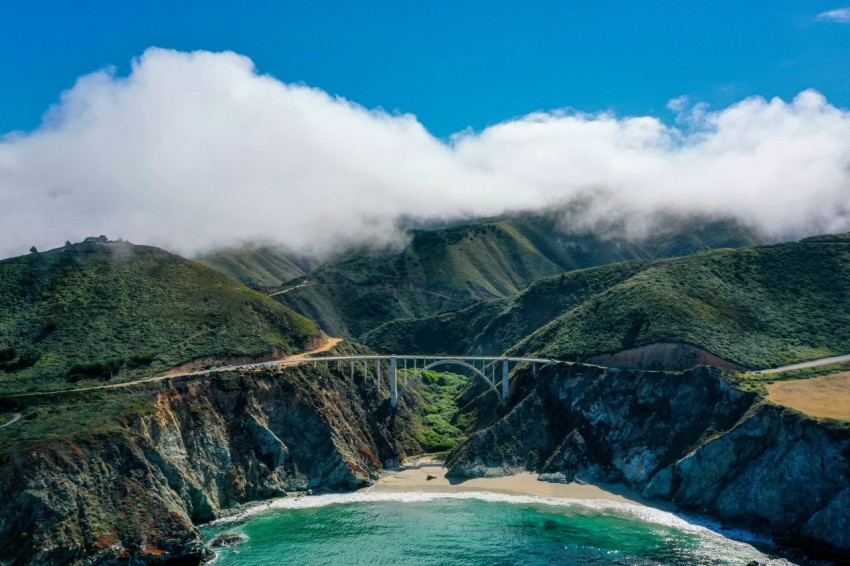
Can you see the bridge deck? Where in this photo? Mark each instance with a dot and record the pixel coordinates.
(404, 357)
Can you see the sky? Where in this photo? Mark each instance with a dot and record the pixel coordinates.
(452, 64)
(192, 125)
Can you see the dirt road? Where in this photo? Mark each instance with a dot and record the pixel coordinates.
(295, 359)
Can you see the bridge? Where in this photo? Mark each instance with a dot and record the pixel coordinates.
(483, 367)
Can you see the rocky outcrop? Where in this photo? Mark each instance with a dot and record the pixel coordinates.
(202, 446)
(662, 356)
(686, 437)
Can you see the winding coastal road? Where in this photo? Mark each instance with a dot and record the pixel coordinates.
(806, 365)
(15, 418)
(303, 357)
(289, 360)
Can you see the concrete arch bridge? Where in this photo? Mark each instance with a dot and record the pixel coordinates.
(481, 367)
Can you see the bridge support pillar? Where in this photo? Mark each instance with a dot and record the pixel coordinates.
(506, 391)
(352, 371)
(393, 384)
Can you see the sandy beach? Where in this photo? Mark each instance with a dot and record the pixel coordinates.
(429, 476)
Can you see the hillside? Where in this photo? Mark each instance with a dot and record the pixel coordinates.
(95, 311)
(258, 266)
(756, 307)
(452, 268)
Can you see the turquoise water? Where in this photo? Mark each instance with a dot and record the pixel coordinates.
(482, 529)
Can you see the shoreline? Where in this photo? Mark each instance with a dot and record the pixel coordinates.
(410, 483)
(424, 475)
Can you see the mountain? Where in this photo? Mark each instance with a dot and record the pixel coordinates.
(752, 307)
(258, 266)
(450, 268)
(101, 310)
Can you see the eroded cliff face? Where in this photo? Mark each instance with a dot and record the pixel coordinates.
(203, 446)
(689, 438)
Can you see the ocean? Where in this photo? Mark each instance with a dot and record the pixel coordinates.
(466, 529)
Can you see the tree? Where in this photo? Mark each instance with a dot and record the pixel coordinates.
(33, 250)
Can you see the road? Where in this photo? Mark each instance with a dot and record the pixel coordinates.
(15, 419)
(809, 364)
(312, 284)
(289, 360)
(288, 289)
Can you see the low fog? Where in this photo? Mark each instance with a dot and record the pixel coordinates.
(193, 151)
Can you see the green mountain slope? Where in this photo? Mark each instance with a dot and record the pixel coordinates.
(493, 327)
(756, 307)
(454, 267)
(95, 310)
(257, 266)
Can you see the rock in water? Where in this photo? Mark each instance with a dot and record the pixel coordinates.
(228, 539)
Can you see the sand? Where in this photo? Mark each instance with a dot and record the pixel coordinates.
(414, 477)
(827, 396)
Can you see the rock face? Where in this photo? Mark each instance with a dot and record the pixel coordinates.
(662, 356)
(204, 446)
(689, 438)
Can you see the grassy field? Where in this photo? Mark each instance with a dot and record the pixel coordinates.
(95, 312)
(827, 396)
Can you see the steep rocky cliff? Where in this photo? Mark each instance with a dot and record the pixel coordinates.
(199, 446)
(686, 437)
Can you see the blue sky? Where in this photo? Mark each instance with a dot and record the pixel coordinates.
(229, 127)
(452, 64)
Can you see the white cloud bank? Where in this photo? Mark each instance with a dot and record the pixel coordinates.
(193, 150)
(841, 15)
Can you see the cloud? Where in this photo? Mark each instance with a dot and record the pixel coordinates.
(841, 15)
(195, 150)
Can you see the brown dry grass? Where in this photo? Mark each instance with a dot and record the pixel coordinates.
(827, 396)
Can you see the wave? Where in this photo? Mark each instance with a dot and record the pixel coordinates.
(704, 528)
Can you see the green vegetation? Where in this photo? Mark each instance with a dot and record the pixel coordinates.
(828, 239)
(99, 311)
(453, 268)
(258, 266)
(758, 307)
(444, 334)
(440, 427)
(75, 417)
(496, 326)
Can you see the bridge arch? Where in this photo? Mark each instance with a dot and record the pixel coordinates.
(475, 371)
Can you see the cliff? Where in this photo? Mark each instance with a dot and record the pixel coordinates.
(689, 438)
(197, 447)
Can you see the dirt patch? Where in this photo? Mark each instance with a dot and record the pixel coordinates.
(321, 344)
(662, 356)
(827, 396)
